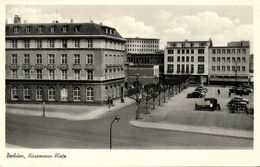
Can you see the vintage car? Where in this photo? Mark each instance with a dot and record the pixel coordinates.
(195, 94)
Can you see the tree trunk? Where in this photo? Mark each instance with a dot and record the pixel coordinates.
(153, 102)
(146, 107)
(137, 111)
(164, 95)
(159, 100)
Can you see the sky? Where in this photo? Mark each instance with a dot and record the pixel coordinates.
(166, 22)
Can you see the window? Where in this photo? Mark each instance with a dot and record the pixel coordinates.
(182, 68)
(64, 59)
(27, 43)
(213, 68)
(243, 68)
(213, 59)
(200, 51)
(183, 51)
(187, 68)
(192, 51)
(51, 94)
(26, 74)
(106, 75)
(170, 58)
(244, 51)
(223, 68)
(218, 68)
(39, 43)
(223, 51)
(14, 93)
(65, 29)
(192, 59)
(39, 93)
(238, 59)
(14, 74)
(218, 59)
(51, 74)
(77, 29)
(183, 59)
(223, 59)
(238, 51)
(15, 30)
(228, 68)
(187, 51)
(76, 59)
(90, 44)
(14, 43)
(39, 29)
(238, 68)
(187, 59)
(233, 51)
(77, 74)
(178, 59)
(26, 93)
(51, 43)
(233, 59)
(213, 51)
(51, 59)
(218, 51)
(243, 59)
(228, 51)
(90, 94)
(233, 68)
(26, 59)
(170, 51)
(64, 74)
(76, 43)
(200, 58)
(38, 59)
(178, 68)
(14, 59)
(90, 74)
(170, 68)
(178, 51)
(228, 59)
(52, 29)
(64, 94)
(200, 68)
(39, 74)
(192, 68)
(90, 59)
(76, 94)
(64, 43)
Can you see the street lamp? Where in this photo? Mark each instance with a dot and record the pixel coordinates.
(115, 119)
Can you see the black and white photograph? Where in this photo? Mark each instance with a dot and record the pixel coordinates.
(128, 77)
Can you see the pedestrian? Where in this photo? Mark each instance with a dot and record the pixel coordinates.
(218, 91)
(229, 94)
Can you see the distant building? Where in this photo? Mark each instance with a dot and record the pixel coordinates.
(142, 45)
(63, 62)
(187, 60)
(229, 64)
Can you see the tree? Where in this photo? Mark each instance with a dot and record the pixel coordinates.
(159, 89)
(149, 91)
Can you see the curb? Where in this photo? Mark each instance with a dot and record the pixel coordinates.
(196, 129)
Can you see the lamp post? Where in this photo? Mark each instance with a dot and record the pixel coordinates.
(115, 119)
(43, 109)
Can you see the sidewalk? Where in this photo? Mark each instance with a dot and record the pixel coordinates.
(68, 112)
(195, 129)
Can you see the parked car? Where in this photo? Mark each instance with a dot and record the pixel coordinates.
(200, 89)
(242, 99)
(233, 102)
(242, 91)
(233, 89)
(195, 94)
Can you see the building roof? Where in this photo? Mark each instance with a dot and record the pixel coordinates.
(137, 38)
(84, 29)
(186, 41)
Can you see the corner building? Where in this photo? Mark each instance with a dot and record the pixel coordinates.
(64, 63)
(187, 60)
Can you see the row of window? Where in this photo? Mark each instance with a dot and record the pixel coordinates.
(143, 50)
(191, 44)
(114, 73)
(51, 74)
(187, 59)
(50, 43)
(227, 68)
(143, 41)
(182, 69)
(145, 60)
(228, 51)
(147, 46)
(112, 91)
(227, 59)
(184, 51)
(114, 59)
(41, 28)
(51, 59)
(52, 93)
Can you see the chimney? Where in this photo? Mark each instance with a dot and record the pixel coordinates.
(17, 19)
(101, 23)
(71, 20)
(57, 21)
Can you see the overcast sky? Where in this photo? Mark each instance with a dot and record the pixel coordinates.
(168, 23)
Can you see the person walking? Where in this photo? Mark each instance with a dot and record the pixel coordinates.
(229, 94)
(218, 91)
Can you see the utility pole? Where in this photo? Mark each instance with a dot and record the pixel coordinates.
(115, 119)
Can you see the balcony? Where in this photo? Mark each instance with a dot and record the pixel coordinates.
(26, 66)
(76, 67)
(89, 66)
(38, 67)
(14, 66)
(114, 65)
(64, 67)
(51, 67)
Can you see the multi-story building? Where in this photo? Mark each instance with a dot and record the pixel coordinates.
(63, 62)
(142, 45)
(187, 60)
(229, 64)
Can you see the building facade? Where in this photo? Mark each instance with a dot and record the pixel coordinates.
(142, 45)
(187, 60)
(63, 62)
(229, 64)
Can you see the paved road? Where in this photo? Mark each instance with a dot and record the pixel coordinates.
(37, 132)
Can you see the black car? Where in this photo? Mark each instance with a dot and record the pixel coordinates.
(195, 95)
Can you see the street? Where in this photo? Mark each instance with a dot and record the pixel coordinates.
(38, 132)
